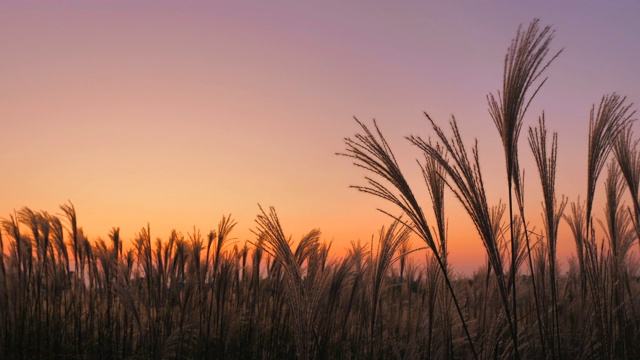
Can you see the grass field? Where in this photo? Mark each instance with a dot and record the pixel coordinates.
(198, 295)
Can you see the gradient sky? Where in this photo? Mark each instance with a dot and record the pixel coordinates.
(175, 113)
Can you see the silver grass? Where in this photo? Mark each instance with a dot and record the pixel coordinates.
(434, 176)
(628, 157)
(464, 178)
(372, 152)
(303, 299)
(619, 232)
(523, 66)
(552, 211)
(610, 120)
(390, 241)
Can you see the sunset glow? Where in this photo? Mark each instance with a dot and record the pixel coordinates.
(177, 113)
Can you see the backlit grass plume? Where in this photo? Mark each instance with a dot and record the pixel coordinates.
(610, 120)
(464, 178)
(302, 293)
(551, 213)
(524, 64)
(628, 157)
(371, 152)
(434, 176)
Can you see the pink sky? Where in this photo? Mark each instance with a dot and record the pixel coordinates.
(175, 113)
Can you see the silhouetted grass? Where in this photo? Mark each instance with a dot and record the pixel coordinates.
(196, 296)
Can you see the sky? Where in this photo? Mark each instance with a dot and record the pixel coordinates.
(177, 113)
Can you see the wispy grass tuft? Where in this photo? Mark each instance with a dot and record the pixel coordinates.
(628, 157)
(551, 214)
(372, 153)
(524, 64)
(464, 178)
(605, 126)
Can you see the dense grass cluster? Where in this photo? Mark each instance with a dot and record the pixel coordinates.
(202, 297)
(205, 296)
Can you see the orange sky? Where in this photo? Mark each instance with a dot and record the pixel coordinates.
(175, 113)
